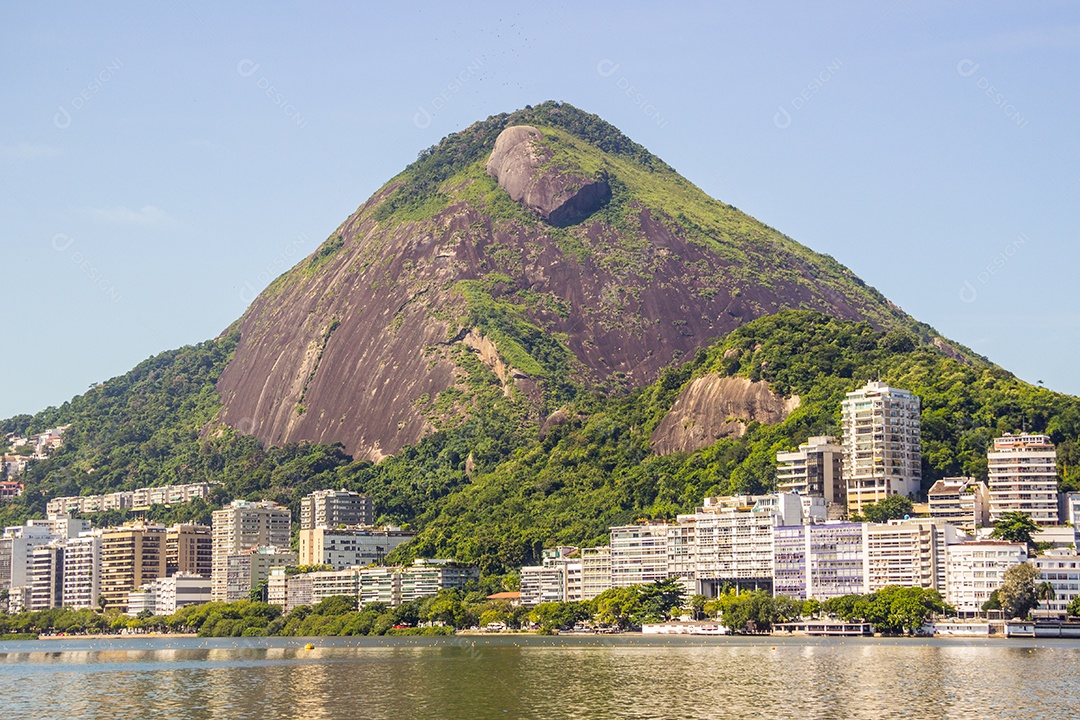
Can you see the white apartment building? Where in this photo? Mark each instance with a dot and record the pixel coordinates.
(380, 585)
(1063, 573)
(815, 469)
(910, 553)
(334, 508)
(819, 561)
(139, 600)
(542, 584)
(1069, 508)
(427, 577)
(962, 501)
(82, 571)
(46, 576)
(245, 570)
(178, 591)
(882, 453)
(976, 569)
(326, 584)
(595, 571)
(342, 548)
(16, 547)
(242, 526)
(638, 554)
(61, 525)
(140, 498)
(1023, 477)
(733, 539)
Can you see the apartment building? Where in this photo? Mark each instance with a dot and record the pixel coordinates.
(733, 539)
(543, 583)
(816, 469)
(1062, 571)
(638, 554)
(881, 444)
(427, 577)
(189, 549)
(248, 568)
(595, 571)
(976, 569)
(342, 548)
(1023, 477)
(239, 527)
(82, 571)
(16, 548)
(962, 501)
(180, 590)
(335, 508)
(910, 553)
(131, 556)
(819, 561)
(46, 577)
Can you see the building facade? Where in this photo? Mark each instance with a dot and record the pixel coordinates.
(1062, 572)
(335, 508)
(595, 571)
(976, 569)
(638, 554)
(1023, 477)
(962, 501)
(82, 571)
(882, 453)
(247, 569)
(342, 548)
(816, 469)
(46, 579)
(189, 549)
(180, 590)
(131, 556)
(243, 526)
(820, 561)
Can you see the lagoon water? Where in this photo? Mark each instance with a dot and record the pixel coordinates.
(537, 677)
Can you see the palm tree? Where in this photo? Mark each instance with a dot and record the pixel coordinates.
(1044, 591)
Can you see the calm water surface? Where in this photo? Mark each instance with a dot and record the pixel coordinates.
(533, 677)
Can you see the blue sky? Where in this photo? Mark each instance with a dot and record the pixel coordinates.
(161, 161)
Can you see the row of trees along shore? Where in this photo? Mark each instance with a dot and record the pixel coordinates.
(892, 611)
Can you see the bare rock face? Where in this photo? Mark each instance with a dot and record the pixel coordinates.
(559, 196)
(714, 407)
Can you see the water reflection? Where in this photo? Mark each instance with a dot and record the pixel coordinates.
(509, 677)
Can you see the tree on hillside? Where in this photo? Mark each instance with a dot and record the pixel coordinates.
(1015, 527)
(894, 507)
(1017, 592)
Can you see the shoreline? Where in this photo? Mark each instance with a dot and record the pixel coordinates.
(117, 636)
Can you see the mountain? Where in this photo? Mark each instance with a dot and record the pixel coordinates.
(543, 245)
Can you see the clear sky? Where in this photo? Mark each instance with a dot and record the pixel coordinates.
(162, 160)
